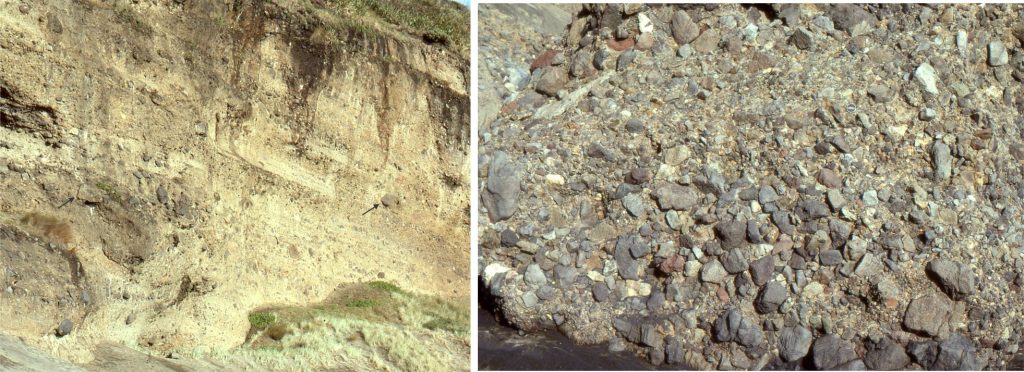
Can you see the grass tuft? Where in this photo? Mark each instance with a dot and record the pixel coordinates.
(362, 304)
(262, 320)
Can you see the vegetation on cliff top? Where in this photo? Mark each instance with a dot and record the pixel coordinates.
(434, 21)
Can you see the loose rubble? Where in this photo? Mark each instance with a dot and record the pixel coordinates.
(764, 187)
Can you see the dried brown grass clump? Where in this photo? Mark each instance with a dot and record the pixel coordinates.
(50, 227)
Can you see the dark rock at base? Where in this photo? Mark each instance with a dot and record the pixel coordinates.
(627, 328)
(161, 194)
(853, 365)
(794, 342)
(64, 328)
(954, 353)
(674, 352)
(781, 220)
(639, 249)
(887, 355)
(649, 335)
(634, 125)
(957, 353)
(655, 355)
(831, 351)
(754, 232)
(923, 352)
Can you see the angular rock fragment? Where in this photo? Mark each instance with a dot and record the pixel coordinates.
(851, 18)
(942, 161)
(553, 80)
(628, 265)
(772, 296)
(997, 55)
(925, 76)
(762, 269)
(713, 272)
(676, 197)
(957, 280)
(732, 233)
(684, 30)
(929, 314)
(802, 39)
(734, 262)
(502, 198)
(731, 326)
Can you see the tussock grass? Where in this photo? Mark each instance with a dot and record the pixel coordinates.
(385, 286)
(434, 21)
(366, 326)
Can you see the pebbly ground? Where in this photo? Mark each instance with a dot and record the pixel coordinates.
(737, 187)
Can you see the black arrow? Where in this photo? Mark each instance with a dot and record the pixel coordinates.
(368, 210)
(71, 199)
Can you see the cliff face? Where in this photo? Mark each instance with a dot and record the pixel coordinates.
(220, 158)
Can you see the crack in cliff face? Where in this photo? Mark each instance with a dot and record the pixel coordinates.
(313, 64)
(384, 122)
(317, 51)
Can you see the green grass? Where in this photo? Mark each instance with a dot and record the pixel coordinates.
(362, 304)
(262, 320)
(384, 286)
(106, 187)
(446, 324)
